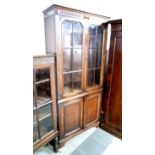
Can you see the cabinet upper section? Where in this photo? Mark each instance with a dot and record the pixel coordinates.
(78, 40)
(73, 13)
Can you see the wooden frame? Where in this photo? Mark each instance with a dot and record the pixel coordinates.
(41, 62)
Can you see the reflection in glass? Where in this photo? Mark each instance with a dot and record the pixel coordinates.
(33, 99)
(77, 35)
(42, 74)
(90, 78)
(92, 42)
(93, 78)
(35, 133)
(94, 55)
(45, 110)
(67, 34)
(72, 82)
(67, 83)
(99, 39)
(97, 76)
(92, 36)
(77, 59)
(67, 60)
(45, 126)
(43, 92)
(91, 58)
(34, 116)
(98, 58)
(92, 29)
(77, 81)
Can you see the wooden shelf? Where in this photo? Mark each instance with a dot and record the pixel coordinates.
(91, 85)
(42, 100)
(42, 81)
(69, 90)
(69, 72)
(44, 117)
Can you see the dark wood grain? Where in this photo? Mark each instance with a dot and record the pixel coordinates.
(71, 113)
(113, 90)
(91, 108)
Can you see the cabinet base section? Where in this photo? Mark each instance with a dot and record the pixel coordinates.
(112, 131)
(65, 139)
(46, 140)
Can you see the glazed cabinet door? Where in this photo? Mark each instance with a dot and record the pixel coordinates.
(70, 57)
(95, 56)
(92, 104)
(44, 102)
(70, 117)
(72, 41)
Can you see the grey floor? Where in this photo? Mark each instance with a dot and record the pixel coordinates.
(79, 144)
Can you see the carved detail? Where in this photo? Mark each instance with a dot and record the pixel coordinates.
(69, 14)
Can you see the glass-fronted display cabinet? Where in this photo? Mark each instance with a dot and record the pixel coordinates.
(44, 100)
(77, 39)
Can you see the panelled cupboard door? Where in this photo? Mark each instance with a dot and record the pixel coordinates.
(70, 119)
(113, 97)
(92, 104)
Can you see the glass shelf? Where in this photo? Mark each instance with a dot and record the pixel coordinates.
(34, 116)
(42, 81)
(42, 100)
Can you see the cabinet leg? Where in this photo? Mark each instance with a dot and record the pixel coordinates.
(55, 144)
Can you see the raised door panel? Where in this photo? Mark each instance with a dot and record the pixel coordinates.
(92, 108)
(70, 120)
(115, 103)
(113, 97)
